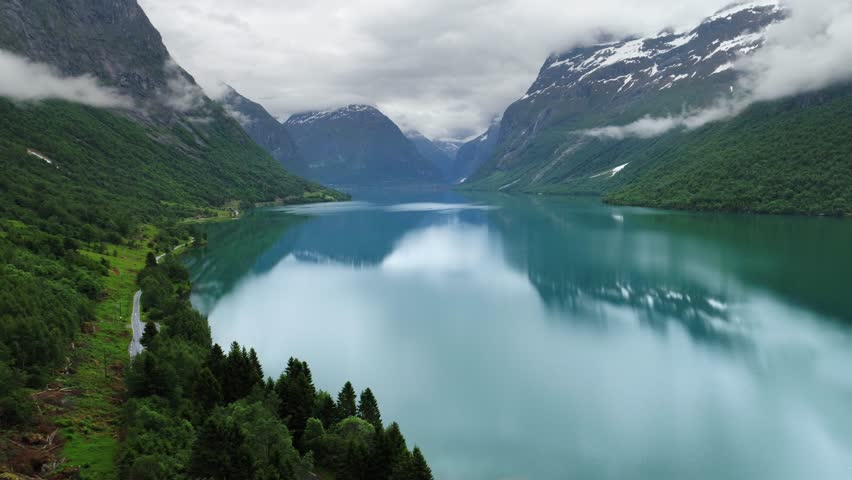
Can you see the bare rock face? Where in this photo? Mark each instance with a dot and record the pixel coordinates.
(111, 39)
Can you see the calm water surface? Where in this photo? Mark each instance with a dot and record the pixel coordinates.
(533, 338)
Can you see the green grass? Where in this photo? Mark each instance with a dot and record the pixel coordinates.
(91, 426)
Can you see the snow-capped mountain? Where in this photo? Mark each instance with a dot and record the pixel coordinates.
(618, 82)
(441, 153)
(357, 145)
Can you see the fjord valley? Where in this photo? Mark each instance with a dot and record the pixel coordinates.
(104, 157)
(250, 254)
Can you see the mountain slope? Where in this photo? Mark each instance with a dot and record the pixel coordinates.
(175, 145)
(357, 145)
(85, 193)
(619, 82)
(476, 152)
(775, 158)
(264, 129)
(542, 149)
(440, 154)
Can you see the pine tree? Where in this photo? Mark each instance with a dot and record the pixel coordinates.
(148, 334)
(419, 468)
(216, 363)
(240, 376)
(355, 462)
(389, 453)
(255, 363)
(220, 452)
(206, 391)
(346, 402)
(368, 409)
(150, 260)
(325, 409)
(297, 393)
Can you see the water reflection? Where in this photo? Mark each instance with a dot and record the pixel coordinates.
(538, 339)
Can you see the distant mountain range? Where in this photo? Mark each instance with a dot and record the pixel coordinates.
(736, 165)
(442, 154)
(355, 146)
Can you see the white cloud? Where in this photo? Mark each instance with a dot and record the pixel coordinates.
(442, 67)
(23, 80)
(181, 95)
(649, 127)
(807, 52)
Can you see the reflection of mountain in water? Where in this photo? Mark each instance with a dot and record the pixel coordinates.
(582, 256)
(233, 250)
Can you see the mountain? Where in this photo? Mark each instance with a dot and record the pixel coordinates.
(171, 145)
(449, 147)
(357, 145)
(476, 152)
(542, 148)
(263, 128)
(440, 154)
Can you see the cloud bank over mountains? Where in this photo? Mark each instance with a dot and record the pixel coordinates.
(808, 51)
(445, 68)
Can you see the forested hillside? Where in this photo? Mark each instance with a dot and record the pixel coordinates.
(197, 411)
(784, 156)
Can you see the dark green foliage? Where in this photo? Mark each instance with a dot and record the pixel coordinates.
(149, 334)
(150, 376)
(346, 402)
(206, 392)
(239, 375)
(325, 409)
(786, 157)
(420, 469)
(221, 452)
(295, 389)
(368, 409)
(255, 363)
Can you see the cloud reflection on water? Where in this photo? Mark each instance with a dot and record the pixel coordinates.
(495, 382)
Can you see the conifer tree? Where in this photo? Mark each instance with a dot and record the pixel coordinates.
(325, 409)
(150, 260)
(297, 393)
(255, 363)
(346, 402)
(216, 363)
(148, 334)
(419, 468)
(220, 452)
(206, 391)
(368, 409)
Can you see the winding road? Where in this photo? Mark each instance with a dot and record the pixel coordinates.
(136, 324)
(137, 327)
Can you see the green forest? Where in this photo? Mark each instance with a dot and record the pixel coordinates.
(73, 235)
(789, 156)
(196, 411)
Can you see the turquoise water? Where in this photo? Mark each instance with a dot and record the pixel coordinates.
(518, 337)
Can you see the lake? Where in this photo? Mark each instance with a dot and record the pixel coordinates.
(528, 337)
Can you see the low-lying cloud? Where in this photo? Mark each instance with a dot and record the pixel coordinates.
(181, 94)
(26, 81)
(443, 67)
(807, 52)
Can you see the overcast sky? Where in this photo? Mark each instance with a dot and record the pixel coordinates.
(444, 67)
